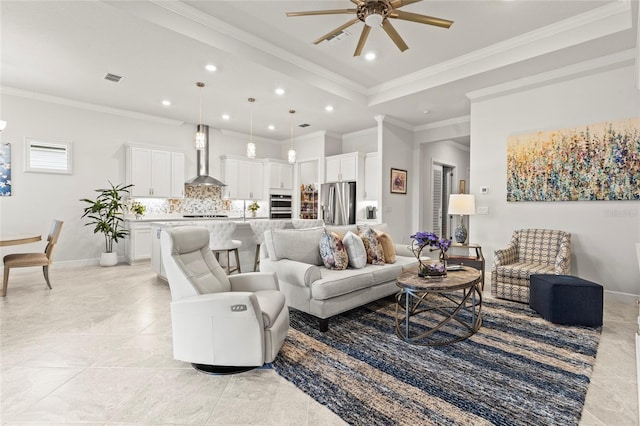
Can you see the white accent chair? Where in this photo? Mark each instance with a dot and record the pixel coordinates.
(220, 233)
(221, 324)
(258, 227)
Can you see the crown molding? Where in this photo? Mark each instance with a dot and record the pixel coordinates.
(581, 28)
(371, 130)
(88, 106)
(302, 138)
(180, 17)
(464, 119)
(615, 60)
(333, 135)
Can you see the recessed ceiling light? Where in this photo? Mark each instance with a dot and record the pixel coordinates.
(328, 108)
(426, 111)
(370, 56)
(271, 127)
(210, 67)
(166, 102)
(279, 91)
(225, 116)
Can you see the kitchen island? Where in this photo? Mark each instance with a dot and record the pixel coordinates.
(151, 229)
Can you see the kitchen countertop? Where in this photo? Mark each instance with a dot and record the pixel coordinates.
(180, 218)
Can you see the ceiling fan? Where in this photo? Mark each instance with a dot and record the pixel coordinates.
(376, 13)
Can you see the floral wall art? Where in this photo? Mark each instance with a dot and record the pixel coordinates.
(5, 170)
(595, 162)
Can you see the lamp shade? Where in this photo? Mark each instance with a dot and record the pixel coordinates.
(462, 204)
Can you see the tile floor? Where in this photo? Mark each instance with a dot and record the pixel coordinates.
(96, 350)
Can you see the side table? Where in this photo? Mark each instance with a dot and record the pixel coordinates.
(476, 261)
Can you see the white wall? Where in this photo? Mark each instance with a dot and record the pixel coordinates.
(603, 232)
(397, 151)
(98, 156)
(361, 141)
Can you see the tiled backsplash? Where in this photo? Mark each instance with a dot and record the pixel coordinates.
(200, 200)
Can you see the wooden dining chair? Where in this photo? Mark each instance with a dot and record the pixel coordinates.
(23, 260)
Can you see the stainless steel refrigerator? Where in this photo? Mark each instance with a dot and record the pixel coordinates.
(339, 203)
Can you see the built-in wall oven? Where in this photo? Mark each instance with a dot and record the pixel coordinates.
(280, 206)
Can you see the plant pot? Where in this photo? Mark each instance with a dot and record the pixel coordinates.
(109, 259)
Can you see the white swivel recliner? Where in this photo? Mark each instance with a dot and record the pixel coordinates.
(221, 324)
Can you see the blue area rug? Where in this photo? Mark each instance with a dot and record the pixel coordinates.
(518, 369)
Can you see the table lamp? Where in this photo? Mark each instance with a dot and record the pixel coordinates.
(462, 204)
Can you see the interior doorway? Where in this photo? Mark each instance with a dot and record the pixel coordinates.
(441, 184)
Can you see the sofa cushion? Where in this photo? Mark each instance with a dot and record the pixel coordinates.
(296, 244)
(332, 251)
(342, 229)
(355, 250)
(336, 283)
(375, 253)
(388, 248)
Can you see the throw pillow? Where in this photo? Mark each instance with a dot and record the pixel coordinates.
(355, 250)
(388, 247)
(332, 252)
(375, 253)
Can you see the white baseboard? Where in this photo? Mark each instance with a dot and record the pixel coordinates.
(617, 296)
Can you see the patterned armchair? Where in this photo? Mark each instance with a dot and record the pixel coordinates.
(531, 251)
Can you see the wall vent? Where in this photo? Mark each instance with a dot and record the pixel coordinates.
(112, 77)
(304, 125)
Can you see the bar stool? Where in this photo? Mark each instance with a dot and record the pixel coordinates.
(259, 227)
(220, 241)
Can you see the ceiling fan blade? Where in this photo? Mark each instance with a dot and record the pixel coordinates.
(399, 3)
(388, 28)
(422, 19)
(336, 31)
(359, 2)
(322, 12)
(362, 41)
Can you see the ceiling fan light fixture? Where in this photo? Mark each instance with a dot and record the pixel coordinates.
(374, 20)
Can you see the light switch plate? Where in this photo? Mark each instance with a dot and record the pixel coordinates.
(483, 210)
(484, 189)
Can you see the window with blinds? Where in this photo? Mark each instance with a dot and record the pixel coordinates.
(47, 156)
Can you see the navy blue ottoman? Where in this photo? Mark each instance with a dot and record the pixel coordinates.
(564, 299)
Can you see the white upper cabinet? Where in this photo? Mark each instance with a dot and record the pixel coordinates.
(177, 175)
(342, 168)
(280, 175)
(150, 171)
(372, 178)
(244, 178)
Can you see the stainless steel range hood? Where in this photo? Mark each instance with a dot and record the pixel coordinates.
(202, 162)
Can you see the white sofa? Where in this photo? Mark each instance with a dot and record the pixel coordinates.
(312, 288)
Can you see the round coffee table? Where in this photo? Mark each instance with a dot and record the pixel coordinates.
(451, 306)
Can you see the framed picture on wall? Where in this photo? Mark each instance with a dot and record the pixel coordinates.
(398, 181)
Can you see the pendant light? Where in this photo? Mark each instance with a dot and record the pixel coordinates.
(292, 152)
(200, 138)
(251, 147)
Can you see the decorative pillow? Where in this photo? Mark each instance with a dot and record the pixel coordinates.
(375, 253)
(388, 247)
(355, 250)
(332, 252)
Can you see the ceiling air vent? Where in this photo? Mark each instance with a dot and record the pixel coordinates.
(339, 36)
(112, 77)
(304, 125)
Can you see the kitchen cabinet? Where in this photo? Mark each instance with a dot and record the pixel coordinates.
(343, 168)
(279, 175)
(150, 171)
(138, 243)
(177, 175)
(244, 178)
(372, 177)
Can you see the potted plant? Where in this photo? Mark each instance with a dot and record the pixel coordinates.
(254, 208)
(138, 209)
(106, 213)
